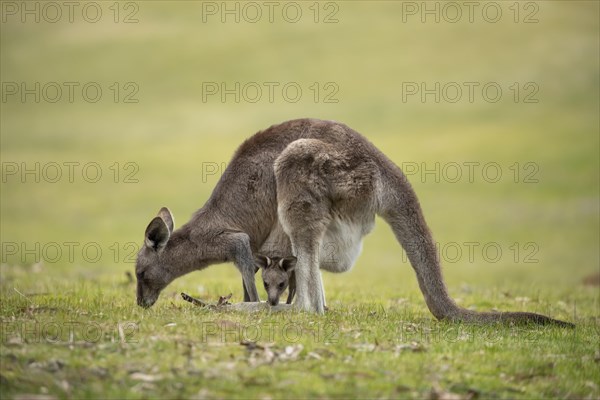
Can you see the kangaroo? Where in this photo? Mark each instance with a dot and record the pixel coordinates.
(323, 183)
(277, 275)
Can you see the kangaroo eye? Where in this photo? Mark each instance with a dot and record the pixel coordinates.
(266, 284)
(281, 285)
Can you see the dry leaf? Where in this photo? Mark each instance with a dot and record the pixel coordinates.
(224, 300)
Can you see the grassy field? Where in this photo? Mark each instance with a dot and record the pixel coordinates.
(121, 108)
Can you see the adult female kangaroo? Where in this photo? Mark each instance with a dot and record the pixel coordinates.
(323, 183)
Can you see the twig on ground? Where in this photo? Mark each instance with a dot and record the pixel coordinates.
(194, 301)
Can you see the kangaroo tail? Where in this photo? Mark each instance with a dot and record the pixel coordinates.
(400, 207)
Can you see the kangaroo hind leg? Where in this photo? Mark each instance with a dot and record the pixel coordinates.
(303, 205)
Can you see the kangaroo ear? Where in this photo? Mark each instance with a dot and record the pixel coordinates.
(167, 216)
(157, 234)
(288, 264)
(261, 262)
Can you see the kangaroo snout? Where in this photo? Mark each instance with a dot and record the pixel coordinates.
(146, 303)
(144, 297)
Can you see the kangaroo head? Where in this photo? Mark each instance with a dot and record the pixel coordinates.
(276, 272)
(151, 268)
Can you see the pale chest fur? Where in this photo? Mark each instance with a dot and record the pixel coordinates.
(342, 243)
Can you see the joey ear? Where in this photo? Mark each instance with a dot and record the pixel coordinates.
(288, 264)
(261, 262)
(157, 234)
(167, 216)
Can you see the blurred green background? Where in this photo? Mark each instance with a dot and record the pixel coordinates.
(364, 56)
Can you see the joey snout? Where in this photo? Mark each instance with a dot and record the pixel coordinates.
(274, 299)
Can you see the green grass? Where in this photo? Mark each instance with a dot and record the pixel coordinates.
(60, 315)
(70, 346)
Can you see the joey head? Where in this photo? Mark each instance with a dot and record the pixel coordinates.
(277, 275)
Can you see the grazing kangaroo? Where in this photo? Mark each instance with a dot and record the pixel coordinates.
(323, 183)
(277, 275)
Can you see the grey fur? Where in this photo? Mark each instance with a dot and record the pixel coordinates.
(320, 184)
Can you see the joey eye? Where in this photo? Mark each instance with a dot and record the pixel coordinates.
(266, 284)
(281, 285)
